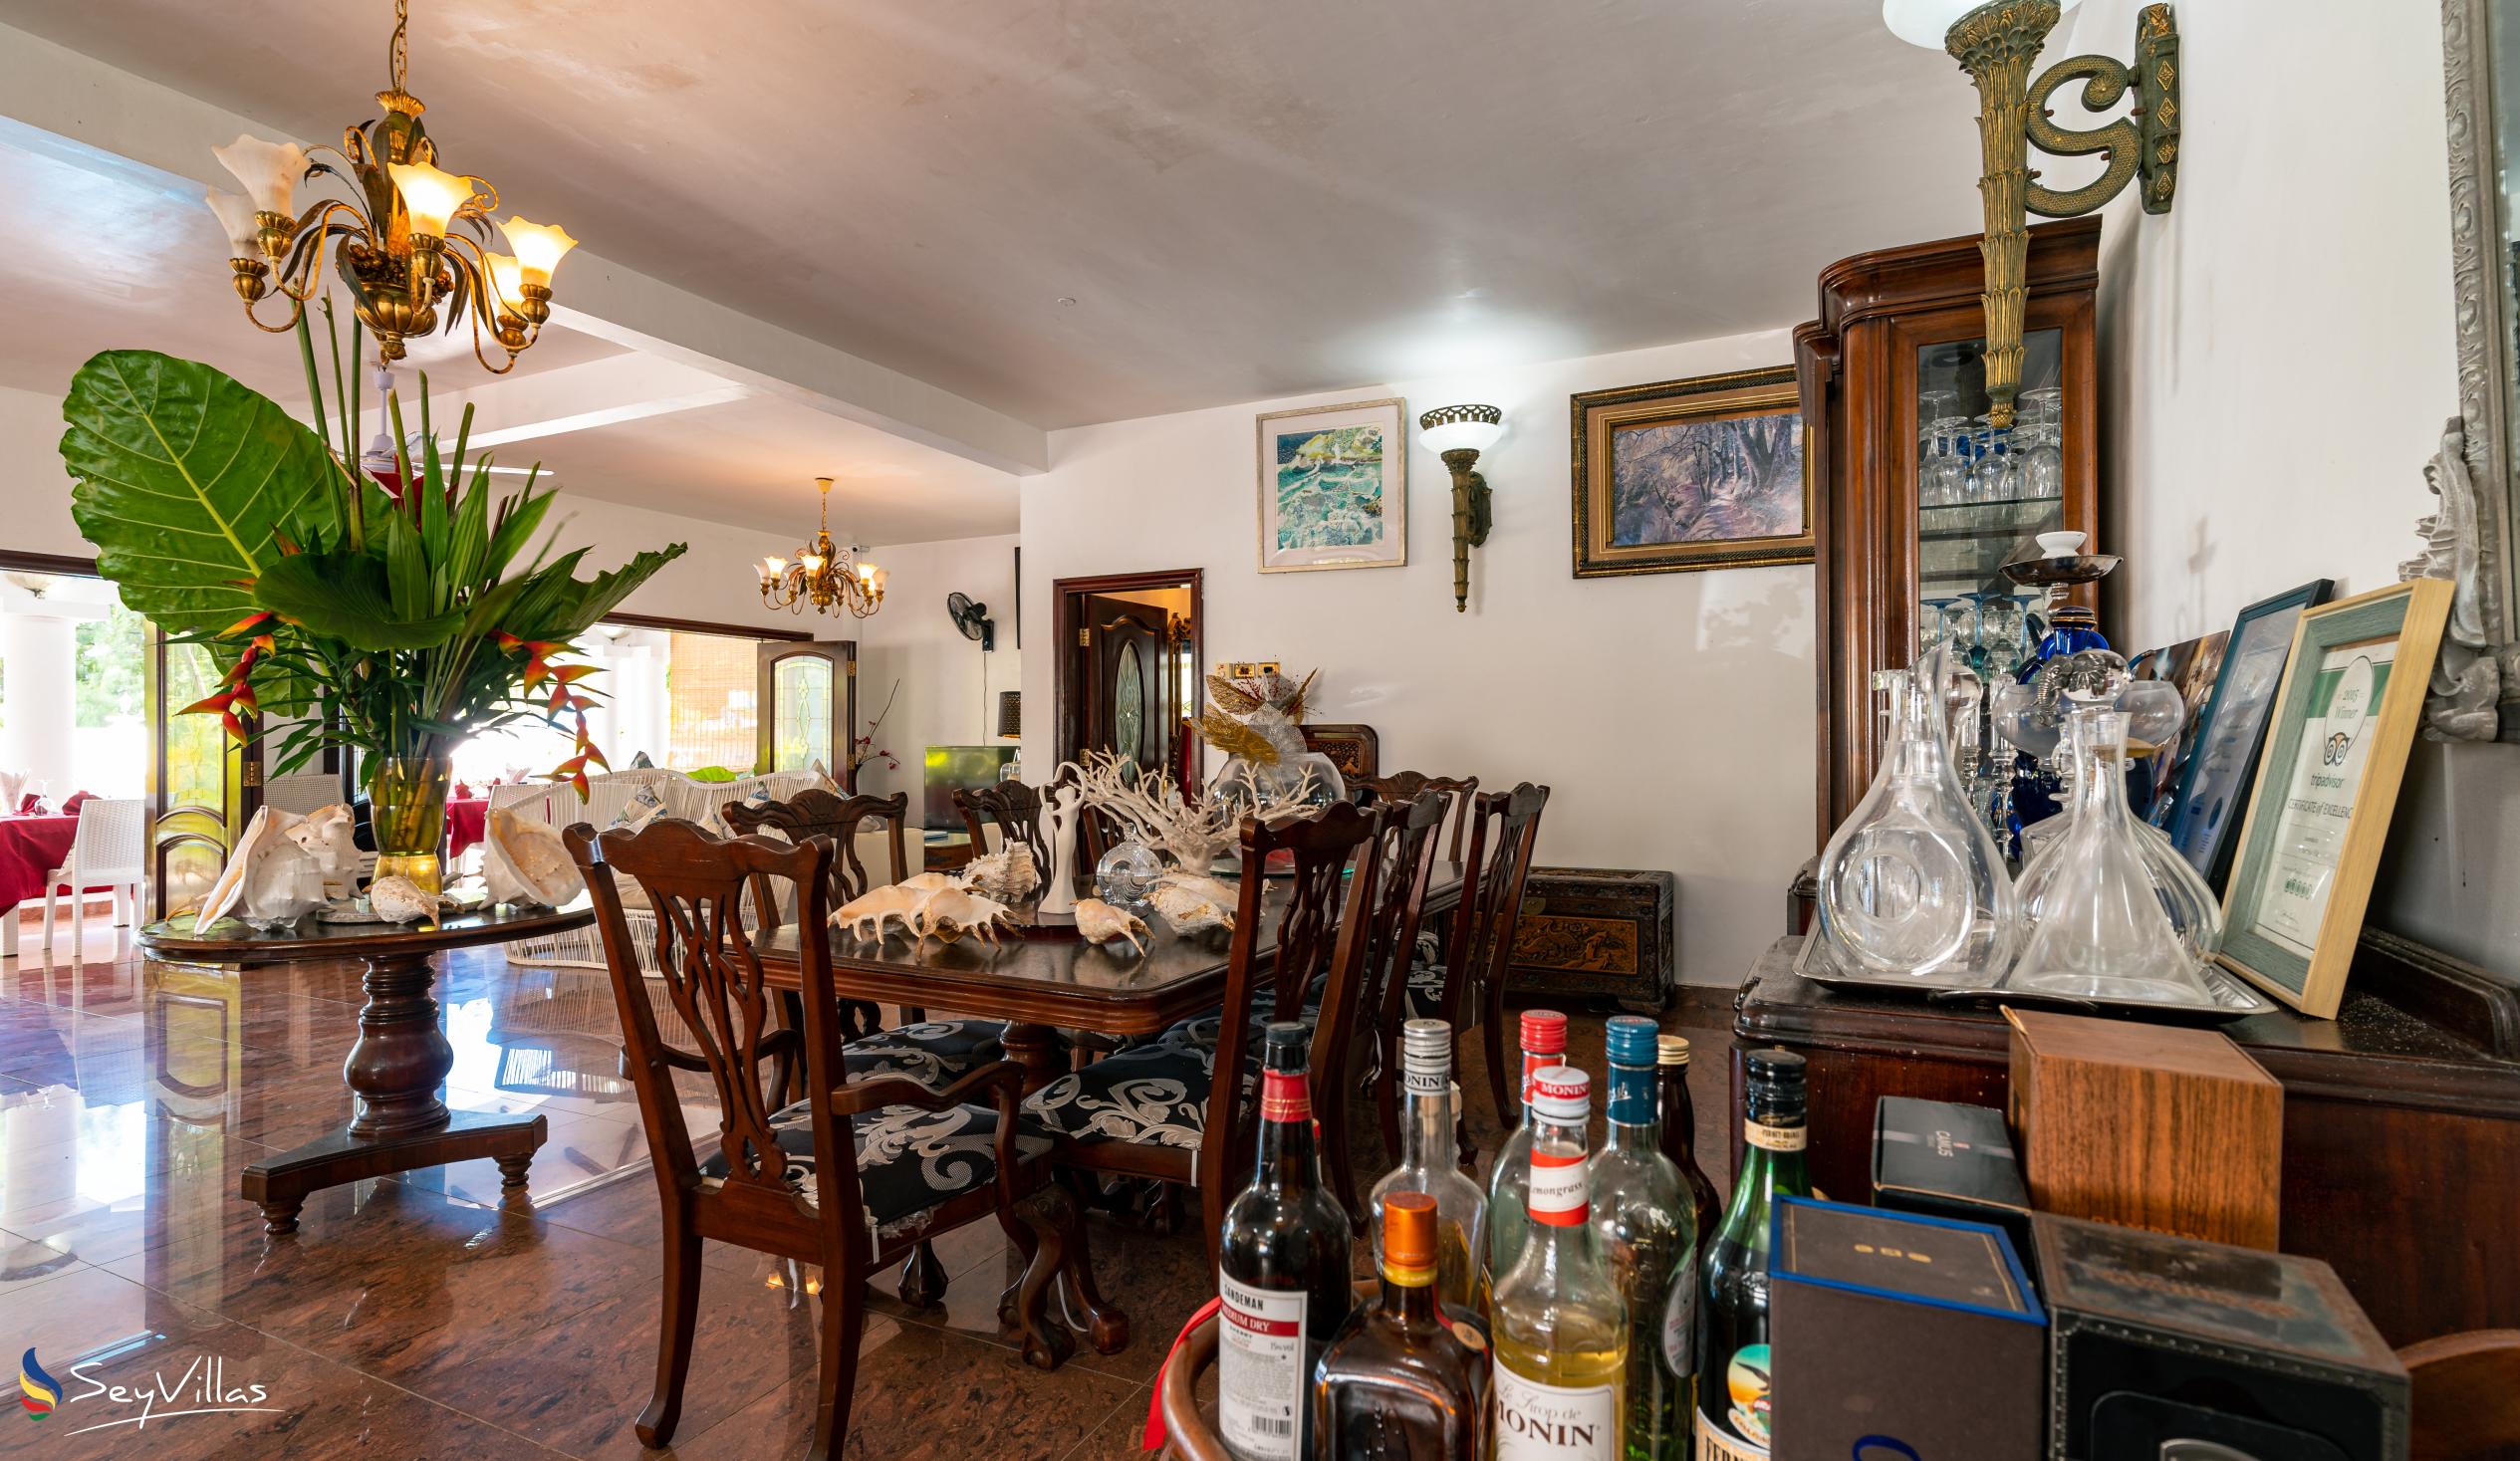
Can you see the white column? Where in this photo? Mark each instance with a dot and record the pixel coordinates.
(41, 654)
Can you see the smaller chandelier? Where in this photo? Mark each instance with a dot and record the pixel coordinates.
(400, 247)
(822, 576)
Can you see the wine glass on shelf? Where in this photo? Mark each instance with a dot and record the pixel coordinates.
(2043, 465)
(1934, 446)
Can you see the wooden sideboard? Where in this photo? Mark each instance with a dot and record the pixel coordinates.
(2401, 1116)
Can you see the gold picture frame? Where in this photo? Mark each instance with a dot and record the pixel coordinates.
(1640, 458)
(2343, 720)
(1309, 510)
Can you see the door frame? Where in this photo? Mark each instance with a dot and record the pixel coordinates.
(1066, 594)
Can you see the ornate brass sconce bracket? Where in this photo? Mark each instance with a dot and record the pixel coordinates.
(1472, 517)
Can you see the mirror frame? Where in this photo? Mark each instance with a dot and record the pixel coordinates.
(2468, 537)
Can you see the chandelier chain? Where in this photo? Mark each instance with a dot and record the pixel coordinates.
(398, 55)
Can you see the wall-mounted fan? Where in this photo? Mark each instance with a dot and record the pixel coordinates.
(974, 620)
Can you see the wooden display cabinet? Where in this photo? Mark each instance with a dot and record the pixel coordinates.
(1893, 326)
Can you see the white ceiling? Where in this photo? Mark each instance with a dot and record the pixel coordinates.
(1244, 198)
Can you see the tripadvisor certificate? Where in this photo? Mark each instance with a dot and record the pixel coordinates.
(2324, 778)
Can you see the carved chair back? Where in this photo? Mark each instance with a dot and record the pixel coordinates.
(814, 813)
(1407, 785)
(1504, 829)
(1410, 866)
(1016, 810)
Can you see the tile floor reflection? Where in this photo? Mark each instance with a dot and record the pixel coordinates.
(415, 1315)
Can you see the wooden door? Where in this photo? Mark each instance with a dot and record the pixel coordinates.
(1132, 700)
(808, 707)
(201, 785)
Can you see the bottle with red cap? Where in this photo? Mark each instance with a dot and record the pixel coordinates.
(1508, 1220)
(1558, 1324)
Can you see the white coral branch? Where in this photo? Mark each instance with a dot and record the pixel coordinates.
(1150, 806)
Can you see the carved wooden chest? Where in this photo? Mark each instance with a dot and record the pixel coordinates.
(1596, 933)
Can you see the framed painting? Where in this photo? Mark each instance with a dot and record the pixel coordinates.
(1334, 487)
(1680, 475)
(2211, 787)
(2190, 667)
(2336, 749)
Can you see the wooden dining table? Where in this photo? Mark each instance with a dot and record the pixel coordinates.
(1041, 982)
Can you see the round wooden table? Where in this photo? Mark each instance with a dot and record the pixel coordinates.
(401, 1057)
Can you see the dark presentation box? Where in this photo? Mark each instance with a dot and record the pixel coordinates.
(1596, 933)
(2161, 1338)
(1946, 1159)
(1894, 1335)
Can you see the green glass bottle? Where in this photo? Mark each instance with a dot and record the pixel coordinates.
(1646, 1230)
(1733, 1403)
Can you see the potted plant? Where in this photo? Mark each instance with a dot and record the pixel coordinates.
(389, 612)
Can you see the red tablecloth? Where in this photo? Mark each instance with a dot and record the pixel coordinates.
(465, 819)
(31, 847)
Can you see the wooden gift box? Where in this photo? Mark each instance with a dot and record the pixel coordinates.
(2148, 1125)
(1595, 933)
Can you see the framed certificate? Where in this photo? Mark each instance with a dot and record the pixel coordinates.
(2343, 721)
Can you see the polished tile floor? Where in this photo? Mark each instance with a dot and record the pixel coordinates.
(414, 1317)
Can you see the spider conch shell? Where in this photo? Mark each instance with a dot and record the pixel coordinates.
(950, 914)
(1100, 922)
(1191, 903)
(866, 914)
(526, 862)
(399, 900)
(1005, 875)
(929, 882)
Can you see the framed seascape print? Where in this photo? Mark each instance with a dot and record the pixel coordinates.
(1334, 487)
(1679, 475)
(2212, 788)
(2341, 723)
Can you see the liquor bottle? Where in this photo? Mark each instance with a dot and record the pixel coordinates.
(1733, 1405)
(1398, 1384)
(1647, 1236)
(1544, 1045)
(1556, 1323)
(1283, 1276)
(1680, 1132)
(1430, 1163)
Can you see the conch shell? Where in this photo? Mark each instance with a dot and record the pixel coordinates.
(866, 914)
(268, 879)
(401, 900)
(929, 882)
(327, 837)
(526, 862)
(1193, 904)
(1005, 875)
(950, 914)
(1100, 922)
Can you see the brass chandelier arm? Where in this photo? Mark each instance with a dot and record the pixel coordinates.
(2105, 83)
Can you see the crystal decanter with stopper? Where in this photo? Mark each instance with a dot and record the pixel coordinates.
(1911, 886)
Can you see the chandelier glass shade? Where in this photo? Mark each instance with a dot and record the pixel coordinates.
(822, 575)
(410, 243)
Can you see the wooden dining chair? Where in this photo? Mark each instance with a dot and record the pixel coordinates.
(1459, 792)
(2466, 1396)
(1014, 809)
(815, 811)
(1469, 985)
(1398, 913)
(1160, 1111)
(851, 1177)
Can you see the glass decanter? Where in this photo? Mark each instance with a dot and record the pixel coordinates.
(1911, 886)
(2108, 917)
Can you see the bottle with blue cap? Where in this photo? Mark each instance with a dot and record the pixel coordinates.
(1646, 1230)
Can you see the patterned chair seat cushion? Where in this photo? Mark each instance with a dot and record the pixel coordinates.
(909, 1160)
(1153, 1096)
(1425, 990)
(934, 1052)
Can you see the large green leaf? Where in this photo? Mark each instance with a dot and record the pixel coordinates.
(346, 596)
(557, 604)
(184, 477)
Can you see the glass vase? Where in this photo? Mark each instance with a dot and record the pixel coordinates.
(1912, 889)
(407, 813)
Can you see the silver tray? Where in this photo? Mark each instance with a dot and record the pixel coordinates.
(2233, 999)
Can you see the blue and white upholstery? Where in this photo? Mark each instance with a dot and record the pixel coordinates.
(909, 1160)
(934, 1052)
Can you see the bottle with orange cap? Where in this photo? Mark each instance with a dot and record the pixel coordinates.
(1399, 1380)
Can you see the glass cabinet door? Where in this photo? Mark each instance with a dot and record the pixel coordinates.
(1982, 496)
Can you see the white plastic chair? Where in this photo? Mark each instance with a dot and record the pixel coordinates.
(111, 849)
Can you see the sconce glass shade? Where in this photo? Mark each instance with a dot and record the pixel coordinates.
(1461, 427)
(538, 248)
(269, 171)
(430, 194)
(1925, 22)
(236, 221)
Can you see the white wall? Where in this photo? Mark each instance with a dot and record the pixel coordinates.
(1670, 713)
(949, 688)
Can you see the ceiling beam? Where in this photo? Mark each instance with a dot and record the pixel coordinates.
(117, 120)
(605, 393)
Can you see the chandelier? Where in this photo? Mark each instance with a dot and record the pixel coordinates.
(395, 245)
(822, 575)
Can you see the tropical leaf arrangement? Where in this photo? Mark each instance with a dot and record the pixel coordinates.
(1257, 717)
(393, 613)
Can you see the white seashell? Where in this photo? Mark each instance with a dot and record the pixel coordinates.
(866, 914)
(399, 900)
(269, 879)
(929, 882)
(325, 835)
(952, 913)
(1005, 875)
(1193, 904)
(526, 862)
(1100, 922)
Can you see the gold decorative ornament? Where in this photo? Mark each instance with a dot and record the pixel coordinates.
(822, 575)
(413, 246)
(1460, 433)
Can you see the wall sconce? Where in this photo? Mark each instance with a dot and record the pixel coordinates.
(1996, 44)
(1460, 433)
